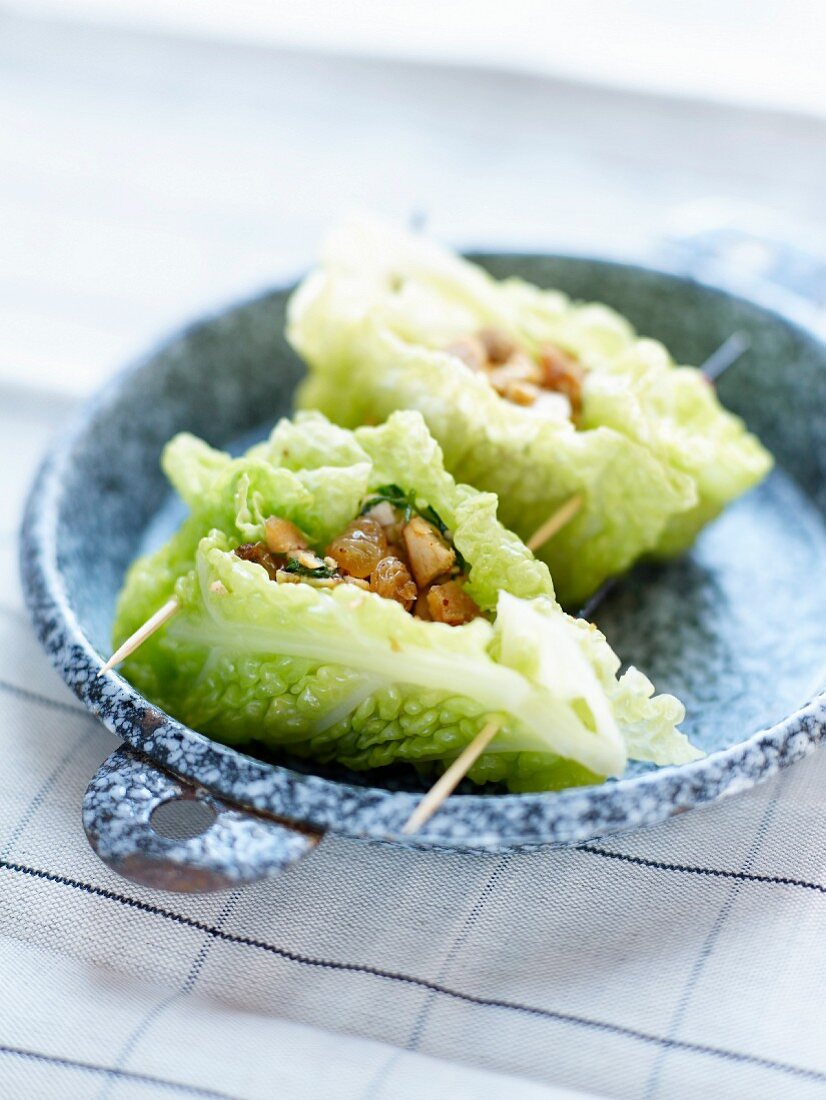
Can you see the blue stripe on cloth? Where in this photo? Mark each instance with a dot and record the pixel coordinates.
(800, 1072)
(154, 1014)
(124, 1075)
(43, 700)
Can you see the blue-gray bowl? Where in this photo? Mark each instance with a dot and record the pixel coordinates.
(737, 628)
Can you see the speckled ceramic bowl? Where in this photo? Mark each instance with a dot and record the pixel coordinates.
(737, 628)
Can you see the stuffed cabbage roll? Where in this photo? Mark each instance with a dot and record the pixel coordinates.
(343, 598)
(539, 399)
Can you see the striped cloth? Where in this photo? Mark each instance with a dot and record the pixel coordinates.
(146, 177)
(688, 960)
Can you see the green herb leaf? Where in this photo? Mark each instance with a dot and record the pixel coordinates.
(407, 502)
(390, 493)
(432, 516)
(320, 572)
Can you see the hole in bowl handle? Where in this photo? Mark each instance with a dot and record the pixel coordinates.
(238, 846)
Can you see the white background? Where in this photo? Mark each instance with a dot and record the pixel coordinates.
(753, 51)
(159, 158)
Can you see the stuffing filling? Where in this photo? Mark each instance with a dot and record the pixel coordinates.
(393, 548)
(532, 382)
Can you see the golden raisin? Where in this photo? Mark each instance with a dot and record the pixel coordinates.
(360, 547)
(391, 579)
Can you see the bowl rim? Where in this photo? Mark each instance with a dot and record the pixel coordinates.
(474, 822)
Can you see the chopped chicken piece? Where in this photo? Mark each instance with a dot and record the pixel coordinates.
(429, 554)
(383, 513)
(283, 536)
(391, 579)
(470, 350)
(551, 406)
(360, 547)
(449, 603)
(562, 373)
(498, 345)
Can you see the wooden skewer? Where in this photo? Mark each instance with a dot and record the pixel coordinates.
(447, 784)
(593, 601)
(555, 522)
(726, 355)
(153, 623)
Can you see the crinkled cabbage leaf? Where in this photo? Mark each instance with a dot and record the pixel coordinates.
(340, 674)
(655, 456)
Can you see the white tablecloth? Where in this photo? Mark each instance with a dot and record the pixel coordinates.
(144, 178)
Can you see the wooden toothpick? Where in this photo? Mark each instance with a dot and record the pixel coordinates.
(134, 641)
(447, 784)
(555, 523)
(732, 349)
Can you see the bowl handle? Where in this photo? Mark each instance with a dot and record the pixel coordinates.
(236, 847)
